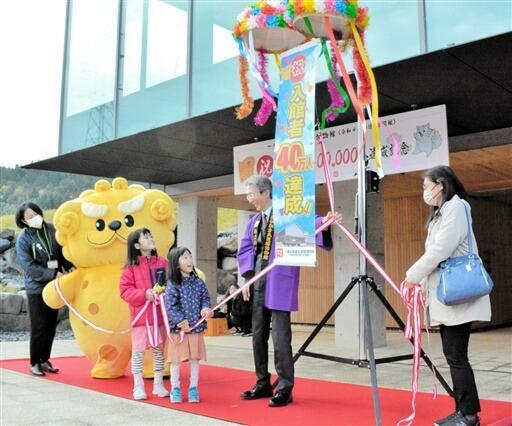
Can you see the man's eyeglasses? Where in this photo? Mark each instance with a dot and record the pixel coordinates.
(251, 195)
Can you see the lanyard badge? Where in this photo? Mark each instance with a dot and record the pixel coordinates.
(45, 244)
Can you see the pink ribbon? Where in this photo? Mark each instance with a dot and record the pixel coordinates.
(327, 175)
(152, 334)
(161, 299)
(72, 309)
(262, 273)
(268, 97)
(413, 301)
(246, 285)
(369, 257)
(351, 237)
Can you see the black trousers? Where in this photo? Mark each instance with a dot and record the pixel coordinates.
(43, 322)
(281, 338)
(241, 322)
(455, 341)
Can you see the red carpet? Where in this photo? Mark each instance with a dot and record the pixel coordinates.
(316, 402)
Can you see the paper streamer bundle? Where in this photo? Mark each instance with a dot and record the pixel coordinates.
(344, 22)
(266, 27)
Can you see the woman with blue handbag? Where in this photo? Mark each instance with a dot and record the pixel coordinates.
(455, 285)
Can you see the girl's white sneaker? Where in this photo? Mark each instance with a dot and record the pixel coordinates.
(139, 393)
(138, 387)
(160, 390)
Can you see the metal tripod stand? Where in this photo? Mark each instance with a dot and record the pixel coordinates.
(365, 284)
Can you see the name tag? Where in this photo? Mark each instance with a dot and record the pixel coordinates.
(53, 264)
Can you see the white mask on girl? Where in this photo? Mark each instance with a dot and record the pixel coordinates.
(35, 222)
(429, 198)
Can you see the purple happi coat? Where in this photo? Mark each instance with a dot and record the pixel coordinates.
(282, 288)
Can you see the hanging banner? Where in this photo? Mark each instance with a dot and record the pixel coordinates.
(293, 176)
(421, 138)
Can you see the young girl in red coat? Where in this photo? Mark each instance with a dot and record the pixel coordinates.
(144, 270)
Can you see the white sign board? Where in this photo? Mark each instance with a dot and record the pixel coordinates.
(420, 137)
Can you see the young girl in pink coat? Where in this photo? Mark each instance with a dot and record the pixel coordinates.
(143, 270)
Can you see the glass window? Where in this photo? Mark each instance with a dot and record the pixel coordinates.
(214, 52)
(89, 115)
(456, 22)
(133, 41)
(167, 41)
(154, 91)
(393, 31)
(215, 83)
(387, 39)
(392, 35)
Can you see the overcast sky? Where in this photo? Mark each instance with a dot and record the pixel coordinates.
(32, 34)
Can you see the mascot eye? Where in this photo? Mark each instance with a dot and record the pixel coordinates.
(129, 220)
(100, 224)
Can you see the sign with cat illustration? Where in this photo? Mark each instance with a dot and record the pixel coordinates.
(414, 140)
(427, 139)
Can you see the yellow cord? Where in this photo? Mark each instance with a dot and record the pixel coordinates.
(375, 97)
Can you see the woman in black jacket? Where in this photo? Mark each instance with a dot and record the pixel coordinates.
(41, 258)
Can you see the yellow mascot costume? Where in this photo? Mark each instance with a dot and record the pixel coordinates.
(93, 229)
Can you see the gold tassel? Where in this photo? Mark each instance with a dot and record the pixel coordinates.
(245, 109)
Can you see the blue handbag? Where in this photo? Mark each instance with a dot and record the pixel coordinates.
(463, 278)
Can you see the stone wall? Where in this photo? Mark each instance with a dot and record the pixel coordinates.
(227, 268)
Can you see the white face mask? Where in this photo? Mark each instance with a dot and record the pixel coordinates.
(429, 198)
(35, 222)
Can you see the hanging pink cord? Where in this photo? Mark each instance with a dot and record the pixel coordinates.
(262, 273)
(413, 299)
(152, 333)
(80, 316)
(327, 175)
(161, 298)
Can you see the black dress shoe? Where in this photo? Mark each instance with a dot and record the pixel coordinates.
(280, 399)
(449, 418)
(459, 419)
(47, 366)
(257, 392)
(37, 370)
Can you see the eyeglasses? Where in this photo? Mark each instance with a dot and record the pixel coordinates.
(250, 195)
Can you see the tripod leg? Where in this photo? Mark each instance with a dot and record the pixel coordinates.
(326, 317)
(371, 353)
(401, 324)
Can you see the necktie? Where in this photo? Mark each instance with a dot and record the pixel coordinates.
(264, 223)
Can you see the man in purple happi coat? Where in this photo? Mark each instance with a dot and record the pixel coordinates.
(274, 296)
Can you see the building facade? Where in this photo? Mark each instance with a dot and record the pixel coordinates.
(148, 93)
(134, 65)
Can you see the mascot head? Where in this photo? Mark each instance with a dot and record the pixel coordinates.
(93, 228)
